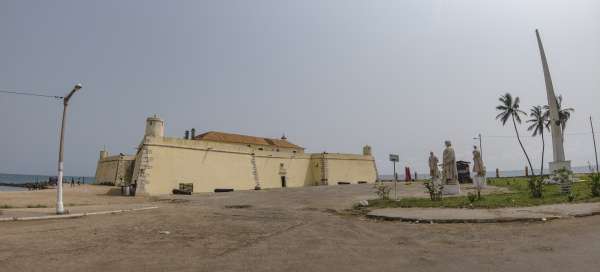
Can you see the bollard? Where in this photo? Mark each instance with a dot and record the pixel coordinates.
(497, 173)
(526, 171)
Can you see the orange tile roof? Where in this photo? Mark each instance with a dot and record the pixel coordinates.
(216, 136)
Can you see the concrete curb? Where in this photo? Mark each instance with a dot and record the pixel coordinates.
(466, 220)
(540, 213)
(586, 214)
(74, 215)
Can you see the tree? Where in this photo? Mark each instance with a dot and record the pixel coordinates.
(538, 122)
(563, 115)
(509, 109)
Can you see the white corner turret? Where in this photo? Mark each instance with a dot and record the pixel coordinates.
(103, 154)
(155, 127)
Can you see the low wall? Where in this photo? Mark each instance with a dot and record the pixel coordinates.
(350, 168)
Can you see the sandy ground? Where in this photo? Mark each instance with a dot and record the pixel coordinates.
(72, 196)
(290, 230)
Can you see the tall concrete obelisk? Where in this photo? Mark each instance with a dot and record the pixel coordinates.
(558, 150)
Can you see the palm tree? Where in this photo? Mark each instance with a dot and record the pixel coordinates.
(509, 108)
(563, 115)
(538, 122)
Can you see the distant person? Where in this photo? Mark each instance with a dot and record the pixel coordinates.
(407, 175)
(72, 182)
(78, 182)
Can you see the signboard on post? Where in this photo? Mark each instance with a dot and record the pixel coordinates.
(394, 158)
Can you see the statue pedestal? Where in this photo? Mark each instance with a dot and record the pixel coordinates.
(557, 165)
(451, 189)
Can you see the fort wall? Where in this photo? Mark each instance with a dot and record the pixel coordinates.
(114, 169)
(163, 163)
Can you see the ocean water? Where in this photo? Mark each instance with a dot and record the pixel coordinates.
(22, 179)
(11, 189)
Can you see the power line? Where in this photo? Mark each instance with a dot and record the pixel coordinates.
(19, 92)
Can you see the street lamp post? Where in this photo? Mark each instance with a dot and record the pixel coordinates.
(59, 192)
(395, 158)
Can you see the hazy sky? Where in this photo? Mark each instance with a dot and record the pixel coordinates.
(402, 76)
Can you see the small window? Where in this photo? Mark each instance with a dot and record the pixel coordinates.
(260, 148)
(277, 149)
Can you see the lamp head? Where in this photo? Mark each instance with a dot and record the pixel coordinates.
(77, 86)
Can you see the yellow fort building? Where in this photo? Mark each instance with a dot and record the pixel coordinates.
(217, 160)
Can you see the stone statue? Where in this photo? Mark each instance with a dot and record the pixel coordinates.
(478, 167)
(434, 172)
(449, 173)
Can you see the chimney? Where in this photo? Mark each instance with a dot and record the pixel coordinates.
(187, 135)
(193, 133)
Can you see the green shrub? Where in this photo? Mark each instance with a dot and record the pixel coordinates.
(434, 190)
(595, 184)
(571, 197)
(536, 187)
(472, 197)
(565, 179)
(382, 190)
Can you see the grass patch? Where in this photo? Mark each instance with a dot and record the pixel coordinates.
(6, 206)
(518, 197)
(37, 206)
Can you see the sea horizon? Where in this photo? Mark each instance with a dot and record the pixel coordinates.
(6, 178)
(9, 178)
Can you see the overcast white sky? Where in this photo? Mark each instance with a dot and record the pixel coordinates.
(402, 76)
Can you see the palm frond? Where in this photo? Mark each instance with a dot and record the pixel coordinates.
(517, 117)
(500, 115)
(505, 118)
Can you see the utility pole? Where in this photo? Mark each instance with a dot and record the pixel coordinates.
(594, 138)
(59, 189)
(480, 147)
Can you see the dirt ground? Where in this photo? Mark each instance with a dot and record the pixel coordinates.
(295, 229)
(85, 194)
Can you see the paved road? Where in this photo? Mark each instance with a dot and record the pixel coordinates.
(290, 230)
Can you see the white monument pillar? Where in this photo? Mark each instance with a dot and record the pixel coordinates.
(558, 150)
